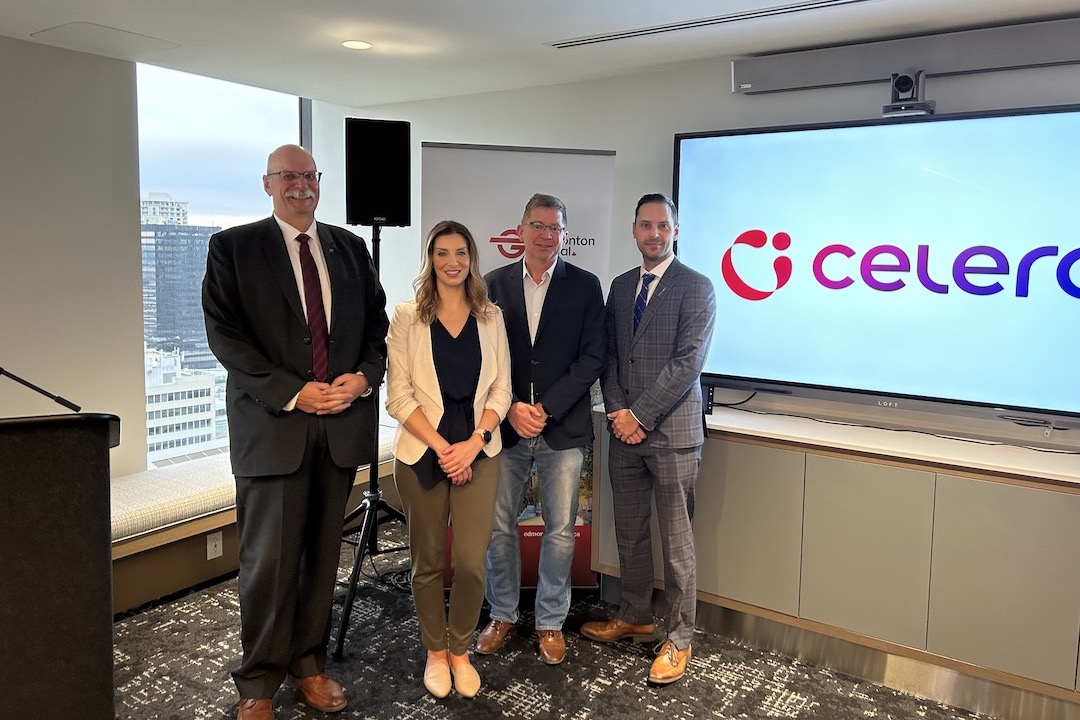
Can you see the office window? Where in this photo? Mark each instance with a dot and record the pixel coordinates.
(202, 152)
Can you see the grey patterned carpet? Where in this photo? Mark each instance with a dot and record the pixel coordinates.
(173, 662)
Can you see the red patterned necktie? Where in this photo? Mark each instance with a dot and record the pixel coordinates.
(316, 315)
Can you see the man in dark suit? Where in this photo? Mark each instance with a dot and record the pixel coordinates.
(554, 315)
(295, 313)
(659, 323)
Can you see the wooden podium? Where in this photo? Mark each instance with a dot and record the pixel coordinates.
(56, 566)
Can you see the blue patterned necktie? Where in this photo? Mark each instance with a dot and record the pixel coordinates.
(643, 296)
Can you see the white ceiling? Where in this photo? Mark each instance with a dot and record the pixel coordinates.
(433, 48)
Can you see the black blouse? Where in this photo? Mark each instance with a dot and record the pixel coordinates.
(457, 365)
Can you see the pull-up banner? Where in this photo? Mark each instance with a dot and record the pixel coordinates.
(486, 188)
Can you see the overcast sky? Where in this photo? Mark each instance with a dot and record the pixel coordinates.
(206, 141)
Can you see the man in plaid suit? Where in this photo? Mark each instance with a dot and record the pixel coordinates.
(659, 323)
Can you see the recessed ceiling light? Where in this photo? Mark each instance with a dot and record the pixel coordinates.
(357, 45)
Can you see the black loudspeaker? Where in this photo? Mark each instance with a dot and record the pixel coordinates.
(377, 169)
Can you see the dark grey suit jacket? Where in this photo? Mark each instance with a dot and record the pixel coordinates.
(256, 327)
(560, 367)
(656, 372)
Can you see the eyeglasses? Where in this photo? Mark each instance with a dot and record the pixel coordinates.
(289, 175)
(537, 225)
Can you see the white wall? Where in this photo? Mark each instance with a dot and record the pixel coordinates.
(637, 117)
(71, 272)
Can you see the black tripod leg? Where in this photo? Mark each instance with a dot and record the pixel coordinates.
(367, 536)
(393, 514)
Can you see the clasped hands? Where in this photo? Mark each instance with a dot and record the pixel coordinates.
(456, 460)
(625, 427)
(319, 398)
(527, 420)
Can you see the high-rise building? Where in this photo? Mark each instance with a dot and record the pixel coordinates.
(174, 261)
(161, 209)
(149, 286)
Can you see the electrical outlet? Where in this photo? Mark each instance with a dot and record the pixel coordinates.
(213, 545)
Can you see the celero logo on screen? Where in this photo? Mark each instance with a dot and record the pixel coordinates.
(781, 266)
(974, 269)
(977, 270)
(509, 244)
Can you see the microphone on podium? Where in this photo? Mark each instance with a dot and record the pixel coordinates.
(56, 398)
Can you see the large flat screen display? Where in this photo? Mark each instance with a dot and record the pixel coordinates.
(929, 258)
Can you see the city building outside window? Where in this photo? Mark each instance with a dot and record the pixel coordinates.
(202, 151)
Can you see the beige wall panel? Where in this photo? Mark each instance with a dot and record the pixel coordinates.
(866, 548)
(748, 524)
(1005, 584)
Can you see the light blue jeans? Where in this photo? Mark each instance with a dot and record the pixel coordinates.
(559, 474)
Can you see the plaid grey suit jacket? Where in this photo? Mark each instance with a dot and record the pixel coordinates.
(656, 371)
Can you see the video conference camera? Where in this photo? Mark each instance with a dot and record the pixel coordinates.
(907, 96)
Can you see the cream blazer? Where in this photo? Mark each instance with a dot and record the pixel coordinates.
(411, 380)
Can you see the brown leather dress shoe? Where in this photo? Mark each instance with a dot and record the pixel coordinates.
(615, 629)
(552, 646)
(669, 665)
(321, 692)
(255, 709)
(493, 636)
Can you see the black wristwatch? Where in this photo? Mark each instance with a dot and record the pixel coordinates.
(485, 435)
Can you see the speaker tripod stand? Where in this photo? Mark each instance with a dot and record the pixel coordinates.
(367, 543)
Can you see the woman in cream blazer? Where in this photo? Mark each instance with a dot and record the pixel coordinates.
(448, 386)
(412, 382)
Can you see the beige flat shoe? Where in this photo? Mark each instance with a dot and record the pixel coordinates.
(437, 677)
(466, 679)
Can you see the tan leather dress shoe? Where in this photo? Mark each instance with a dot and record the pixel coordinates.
(669, 665)
(493, 636)
(255, 709)
(615, 629)
(321, 692)
(552, 646)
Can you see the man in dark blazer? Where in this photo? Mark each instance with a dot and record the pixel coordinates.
(554, 315)
(659, 323)
(301, 419)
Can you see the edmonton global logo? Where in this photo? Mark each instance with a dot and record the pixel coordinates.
(887, 268)
(509, 244)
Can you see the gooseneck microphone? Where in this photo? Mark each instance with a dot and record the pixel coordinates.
(56, 398)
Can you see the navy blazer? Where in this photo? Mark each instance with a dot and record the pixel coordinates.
(656, 371)
(256, 327)
(560, 367)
